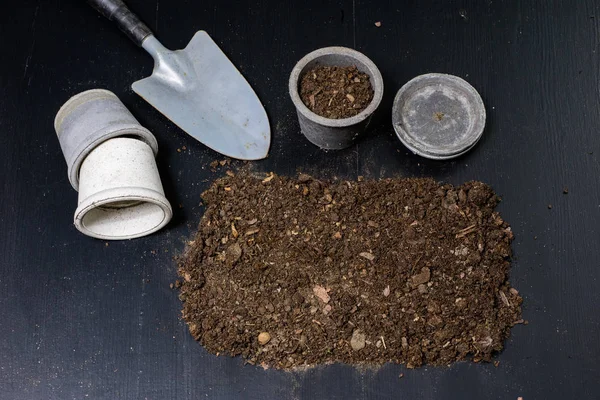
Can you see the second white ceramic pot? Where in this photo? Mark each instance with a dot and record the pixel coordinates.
(120, 192)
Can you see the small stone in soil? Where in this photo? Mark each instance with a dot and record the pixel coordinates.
(421, 278)
(233, 254)
(357, 342)
(264, 338)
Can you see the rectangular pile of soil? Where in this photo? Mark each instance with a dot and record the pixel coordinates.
(293, 272)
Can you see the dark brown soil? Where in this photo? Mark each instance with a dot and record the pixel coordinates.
(336, 92)
(293, 272)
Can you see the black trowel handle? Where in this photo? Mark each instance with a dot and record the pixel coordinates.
(128, 22)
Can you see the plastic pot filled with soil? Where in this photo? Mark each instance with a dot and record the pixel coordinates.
(335, 90)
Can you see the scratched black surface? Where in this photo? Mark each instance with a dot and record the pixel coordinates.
(80, 319)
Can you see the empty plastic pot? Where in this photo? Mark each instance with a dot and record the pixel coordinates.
(120, 192)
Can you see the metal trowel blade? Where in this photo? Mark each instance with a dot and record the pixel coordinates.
(203, 93)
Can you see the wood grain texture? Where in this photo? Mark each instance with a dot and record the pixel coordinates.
(80, 319)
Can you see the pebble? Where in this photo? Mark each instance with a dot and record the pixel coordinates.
(233, 253)
(264, 338)
(358, 340)
(367, 255)
(421, 278)
(386, 291)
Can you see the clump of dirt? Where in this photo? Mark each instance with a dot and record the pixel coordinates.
(293, 272)
(336, 92)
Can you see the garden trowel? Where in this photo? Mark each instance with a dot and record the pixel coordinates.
(198, 88)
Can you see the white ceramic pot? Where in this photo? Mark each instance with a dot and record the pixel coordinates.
(120, 192)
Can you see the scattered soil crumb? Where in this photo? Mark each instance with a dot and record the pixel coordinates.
(214, 165)
(396, 270)
(336, 92)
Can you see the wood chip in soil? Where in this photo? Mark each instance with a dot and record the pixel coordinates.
(399, 270)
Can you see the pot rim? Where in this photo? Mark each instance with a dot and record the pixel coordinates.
(113, 195)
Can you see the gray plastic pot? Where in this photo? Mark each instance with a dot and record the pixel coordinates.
(334, 134)
(91, 118)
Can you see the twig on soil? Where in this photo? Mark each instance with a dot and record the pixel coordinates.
(416, 263)
(332, 97)
(504, 299)
(466, 231)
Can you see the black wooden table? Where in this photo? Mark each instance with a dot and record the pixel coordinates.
(83, 319)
